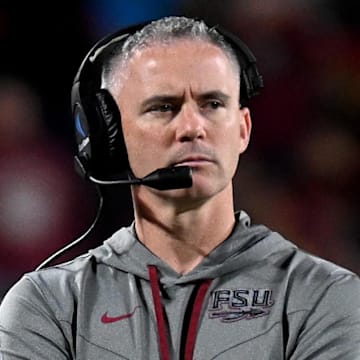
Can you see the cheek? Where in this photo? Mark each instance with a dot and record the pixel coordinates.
(135, 144)
(232, 156)
(230, 138)
(230, 143)
(143, 150)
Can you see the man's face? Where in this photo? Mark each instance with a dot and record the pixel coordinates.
(179, 105)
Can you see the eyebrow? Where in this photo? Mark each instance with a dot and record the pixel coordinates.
(214, 94)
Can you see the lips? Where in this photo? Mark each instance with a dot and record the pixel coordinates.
(193, 160)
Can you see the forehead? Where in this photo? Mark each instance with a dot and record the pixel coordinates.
(177, 63)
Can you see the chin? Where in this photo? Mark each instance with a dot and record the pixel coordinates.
(201, 189)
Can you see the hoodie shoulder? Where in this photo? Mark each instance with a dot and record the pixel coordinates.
(66, 277)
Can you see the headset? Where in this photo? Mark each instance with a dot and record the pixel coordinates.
(101, 149)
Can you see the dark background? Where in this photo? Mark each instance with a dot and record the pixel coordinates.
(300, 175)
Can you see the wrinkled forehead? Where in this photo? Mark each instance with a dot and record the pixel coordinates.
(171, 41)
(171, 48)
(182, 70)
(167, 49)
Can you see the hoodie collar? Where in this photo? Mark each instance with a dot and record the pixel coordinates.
(124, 251)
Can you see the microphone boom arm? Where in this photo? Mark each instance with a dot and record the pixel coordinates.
(169, 178)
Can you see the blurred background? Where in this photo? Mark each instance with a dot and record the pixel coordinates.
(300, 175)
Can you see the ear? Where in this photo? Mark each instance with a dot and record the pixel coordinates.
(245, 128)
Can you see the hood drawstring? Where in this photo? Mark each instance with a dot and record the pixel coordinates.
(160, 319)
(159, 311)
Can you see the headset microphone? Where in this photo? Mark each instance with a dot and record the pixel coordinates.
(169, 178)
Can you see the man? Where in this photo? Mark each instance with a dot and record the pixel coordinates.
(189, 279)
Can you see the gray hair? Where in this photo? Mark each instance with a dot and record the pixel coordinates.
(162, 31)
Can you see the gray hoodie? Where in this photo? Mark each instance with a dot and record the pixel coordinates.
(254, 297)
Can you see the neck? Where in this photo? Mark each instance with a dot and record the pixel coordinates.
(183, 235)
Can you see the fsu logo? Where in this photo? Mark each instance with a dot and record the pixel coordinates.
(237, 304)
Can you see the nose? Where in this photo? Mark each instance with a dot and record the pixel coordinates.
(190, 124)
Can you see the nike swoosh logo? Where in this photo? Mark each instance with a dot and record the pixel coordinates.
(106, 319)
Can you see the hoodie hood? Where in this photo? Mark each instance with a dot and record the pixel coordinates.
(125, 252)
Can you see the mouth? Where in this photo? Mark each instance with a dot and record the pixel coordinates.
(193, 161)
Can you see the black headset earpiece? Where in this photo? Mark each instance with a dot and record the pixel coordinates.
(98, 132)
(100, 143)
(101, 147)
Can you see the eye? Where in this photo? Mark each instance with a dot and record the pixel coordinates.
(212, 105)
(161, 108)
(166, 107)
(215, 104)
